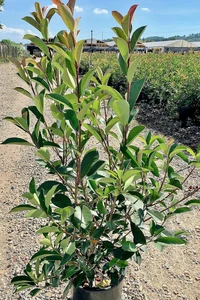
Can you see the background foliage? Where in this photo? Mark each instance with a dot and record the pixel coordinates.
(171, 79)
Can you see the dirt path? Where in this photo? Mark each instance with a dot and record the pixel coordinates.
(171, 274)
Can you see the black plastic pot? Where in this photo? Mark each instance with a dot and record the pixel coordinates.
(114, 293)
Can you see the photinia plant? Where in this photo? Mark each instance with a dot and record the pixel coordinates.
(101, 209)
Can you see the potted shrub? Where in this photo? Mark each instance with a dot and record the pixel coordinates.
(110, 196)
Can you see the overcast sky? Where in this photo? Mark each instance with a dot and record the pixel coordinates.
(163, 18)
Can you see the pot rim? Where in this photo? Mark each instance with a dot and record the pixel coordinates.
(101, 289)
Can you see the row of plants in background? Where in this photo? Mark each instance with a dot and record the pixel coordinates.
(171, 79)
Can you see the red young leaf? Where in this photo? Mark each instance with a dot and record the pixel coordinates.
(71, 4)
(57, 2)
(131, 12)
(118, 17)
(44, 9)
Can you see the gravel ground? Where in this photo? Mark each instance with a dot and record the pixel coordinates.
(171, 274)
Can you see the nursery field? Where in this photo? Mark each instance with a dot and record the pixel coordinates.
(171, 79)
(171, 274)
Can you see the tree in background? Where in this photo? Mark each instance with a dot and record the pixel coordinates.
(1, 4)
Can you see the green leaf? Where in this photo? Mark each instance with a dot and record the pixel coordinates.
(181, 210)
(138, 235)
(84, 83)
(34, 292)
(123, 64)
(71, 248)
(23, 91)
(50, 13)
(66, 16)
(45, 242)
(61, 99)
(84, 215)
(95, 167)
(69, 79)
(136, 88)
(47, 229)
(49, 195)
(83, 111)
(37, 213)
(156, 215)
(111, 123)
(114, 93)
(17, 280)
(101, 208)
(44, 28)
(32, 22)
(170, 240)
(22, 207)
(93, 131)
(38, 42)
(46, 254)
(122, 110)
(126, 24)
(132, 69)
(129, 246)
(193, 202)
(44, 154)
(61, 200)
(123, 47)
(134, 133)
(130, 173)
(39, 103)
(136, 36)
(89, 159)
(119, 32)
(17, 141)
(42, 82)
(78, 51)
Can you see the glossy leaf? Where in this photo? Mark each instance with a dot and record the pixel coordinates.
(170, 240)
(138, 235)
(122, 110)
(136, 36)
(135, 131)
(136, 88)
(132, 69)
(118, 17)
(38, 42)
(66, 15)
(123, 47)
(22, 207)
(84, 83)
(17, 141)
(78, 51)
(89, 159)
(32, 22)
(61, 99)
(44, 154)
(119, 32)
(83, 214)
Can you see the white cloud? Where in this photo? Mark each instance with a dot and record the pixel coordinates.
(1, 8)
(14, 34)
(99, 11)
(145, 9)
(78, 9)
(51, 6)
